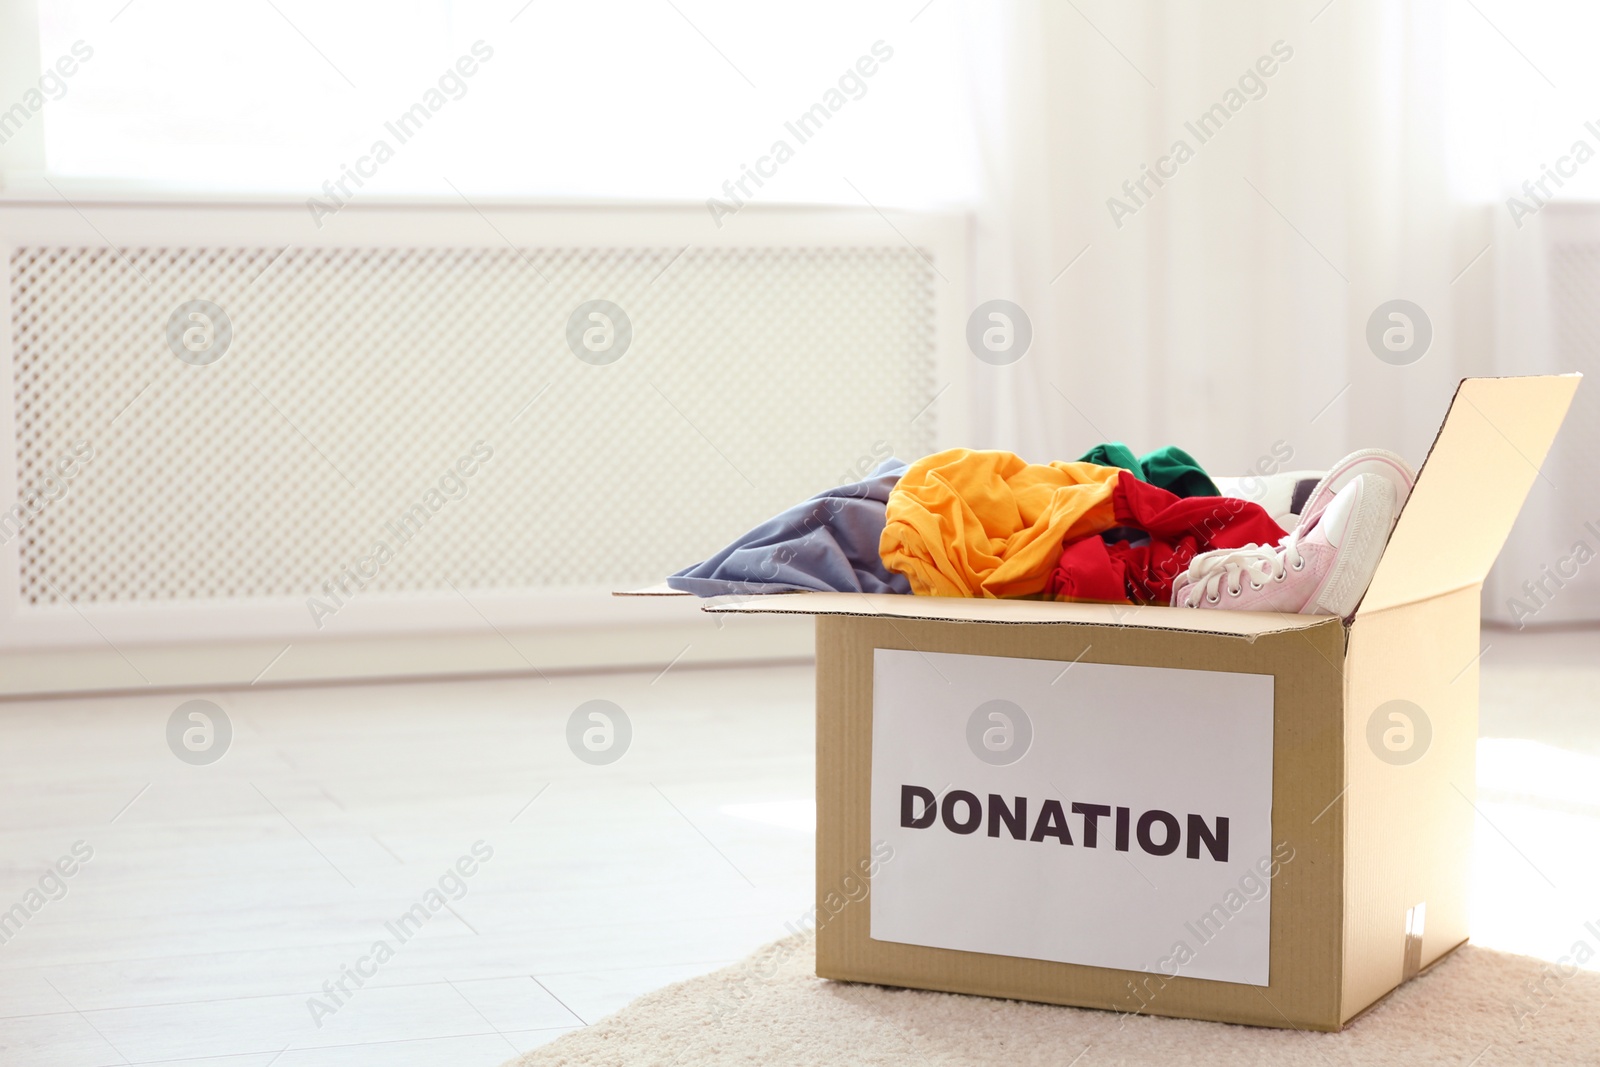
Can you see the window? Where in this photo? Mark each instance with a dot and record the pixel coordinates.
(1520, 94)
(624, 99)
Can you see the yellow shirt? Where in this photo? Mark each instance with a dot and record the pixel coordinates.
(969, 523)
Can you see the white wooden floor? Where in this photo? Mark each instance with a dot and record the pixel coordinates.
(220, 898)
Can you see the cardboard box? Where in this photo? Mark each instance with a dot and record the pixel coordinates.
(1334, 761)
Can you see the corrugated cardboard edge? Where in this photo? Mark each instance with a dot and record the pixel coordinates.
(1145, 618)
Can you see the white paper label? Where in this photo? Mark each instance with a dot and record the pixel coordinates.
(1083, 813)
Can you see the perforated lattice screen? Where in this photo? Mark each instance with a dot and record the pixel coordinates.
(355, 379)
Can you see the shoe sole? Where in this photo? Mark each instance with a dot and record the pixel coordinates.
(1357, 561)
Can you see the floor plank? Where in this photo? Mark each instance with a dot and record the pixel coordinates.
(219, 899)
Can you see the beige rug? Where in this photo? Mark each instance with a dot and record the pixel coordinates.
(1479, 1007)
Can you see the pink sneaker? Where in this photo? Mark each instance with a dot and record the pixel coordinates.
(1376, 461)
(1322, 568)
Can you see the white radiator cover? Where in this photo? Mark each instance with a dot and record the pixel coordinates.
(261, 496)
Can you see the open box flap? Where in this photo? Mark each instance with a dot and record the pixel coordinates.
(1471, 487)
(1246, 624)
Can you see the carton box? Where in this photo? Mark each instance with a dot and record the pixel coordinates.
(1247, 817)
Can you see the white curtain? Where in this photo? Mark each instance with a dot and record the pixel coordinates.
(1228, 312)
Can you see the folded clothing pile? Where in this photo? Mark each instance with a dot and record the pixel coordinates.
(1107, 527)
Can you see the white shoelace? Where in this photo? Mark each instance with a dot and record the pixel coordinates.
(1259, 563)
